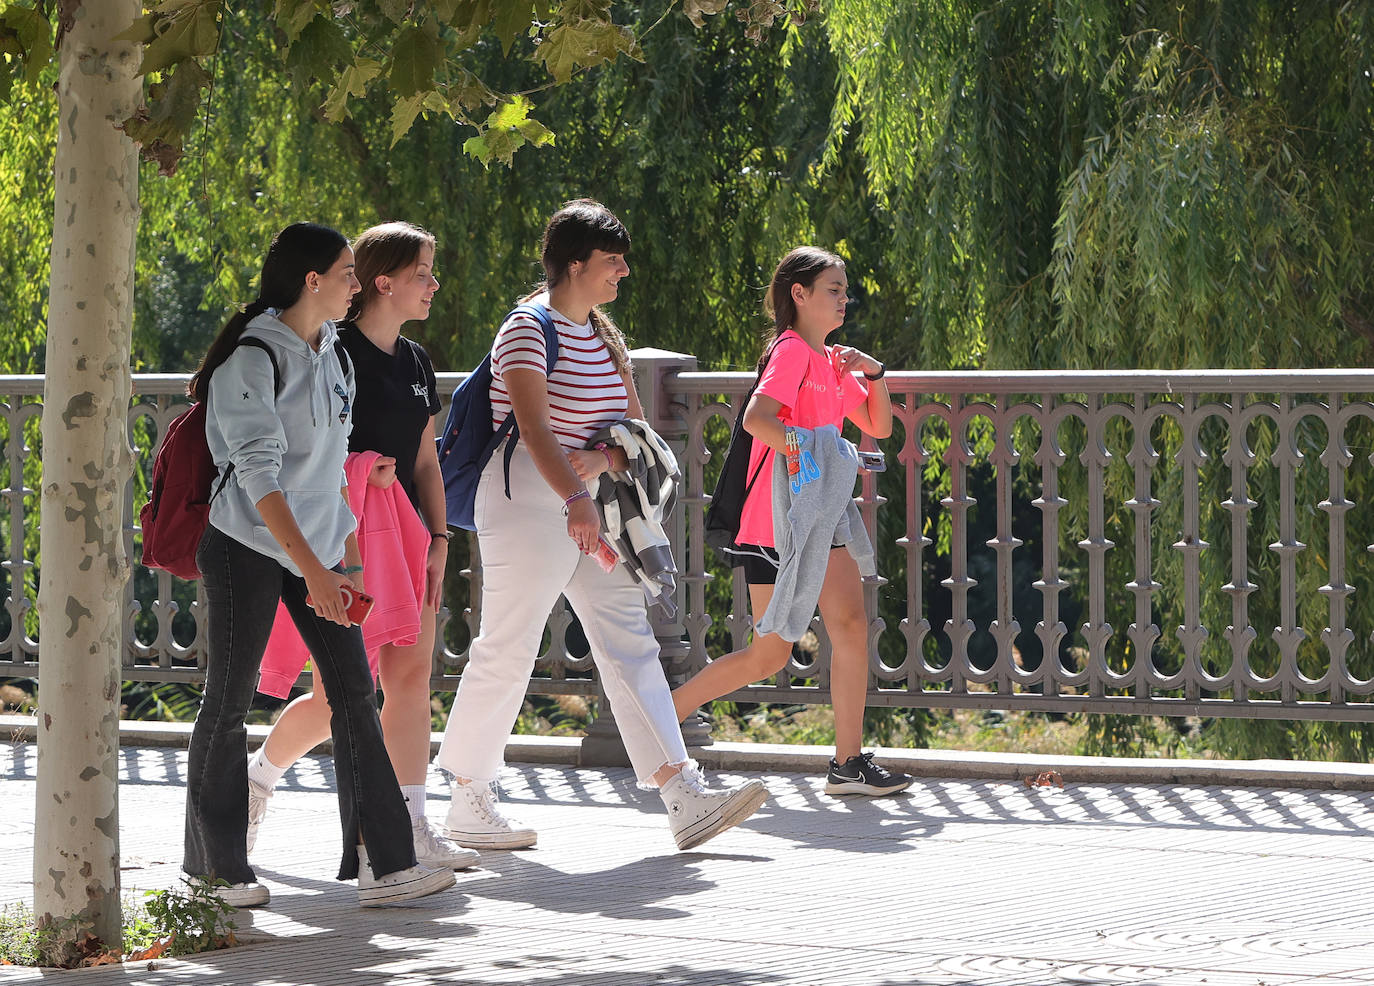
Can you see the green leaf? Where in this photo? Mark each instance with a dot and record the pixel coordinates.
(293, 15)
(513, 18)
(397, 11)
(536, 133)
(494, 145)
(353, 81)
(30, 31)
(505, 131)
(415, 57)
(160, 127)
(140, 31)
(461, 14)
(584, 44)
(581, 10)
(319, 51)
(183, 33)
(403, 114)
(470, 92)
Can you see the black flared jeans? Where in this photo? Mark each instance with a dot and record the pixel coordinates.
(242, 588)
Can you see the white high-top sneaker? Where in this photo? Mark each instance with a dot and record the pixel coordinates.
(406, 884)
(433, 850)
(475, 821)
(697, 812)
(257, 811)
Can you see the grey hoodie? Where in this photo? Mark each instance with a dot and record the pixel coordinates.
(294, 441)
(807, 523)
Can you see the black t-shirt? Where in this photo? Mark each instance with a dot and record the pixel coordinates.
(397, 396)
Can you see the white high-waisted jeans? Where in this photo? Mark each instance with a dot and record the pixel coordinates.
(528, 560)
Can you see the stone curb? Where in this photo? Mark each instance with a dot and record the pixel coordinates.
(567, 751)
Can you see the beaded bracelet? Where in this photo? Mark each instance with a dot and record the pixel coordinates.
(579, 495)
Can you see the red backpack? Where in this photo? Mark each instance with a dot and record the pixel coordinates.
(178, 508)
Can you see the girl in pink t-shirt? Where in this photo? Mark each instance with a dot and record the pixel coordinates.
(807, 384)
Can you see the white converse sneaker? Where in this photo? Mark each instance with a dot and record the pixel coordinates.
(475, 821)
(406, 884)
(436, 852)
(697, 812)
(236, 894)
(257, 811)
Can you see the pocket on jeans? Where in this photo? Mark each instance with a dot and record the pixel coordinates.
(479, 496)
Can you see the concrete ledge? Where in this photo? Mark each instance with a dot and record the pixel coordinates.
(1073, 769)
(567, 750)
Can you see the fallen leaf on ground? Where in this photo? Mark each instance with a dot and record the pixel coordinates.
(153, 951)
(1046, 778)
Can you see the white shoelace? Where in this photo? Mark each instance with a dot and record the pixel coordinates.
(484, 803)
(428, 841)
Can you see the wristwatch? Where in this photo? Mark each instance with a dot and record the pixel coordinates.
(436, 535)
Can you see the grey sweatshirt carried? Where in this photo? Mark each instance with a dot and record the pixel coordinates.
(812, 513)
(291, 438)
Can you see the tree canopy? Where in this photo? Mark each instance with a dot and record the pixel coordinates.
(1086, 183)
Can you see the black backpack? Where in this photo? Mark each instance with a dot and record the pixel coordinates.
(734, 484)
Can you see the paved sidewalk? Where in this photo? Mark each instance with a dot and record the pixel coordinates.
(977, 883)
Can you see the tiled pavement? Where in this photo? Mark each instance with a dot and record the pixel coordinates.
(978, 883)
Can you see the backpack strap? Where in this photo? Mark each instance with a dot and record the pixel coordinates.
(276, 389)
(257, 343)
(345, 363)
(509, 427)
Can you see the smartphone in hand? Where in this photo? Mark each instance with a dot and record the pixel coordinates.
(872, 461)
(357, 605)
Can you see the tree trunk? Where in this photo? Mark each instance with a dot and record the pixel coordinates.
(87, 463)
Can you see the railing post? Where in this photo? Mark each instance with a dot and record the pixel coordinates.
(652, 374)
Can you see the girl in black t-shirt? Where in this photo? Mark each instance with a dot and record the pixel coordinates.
(392, 415)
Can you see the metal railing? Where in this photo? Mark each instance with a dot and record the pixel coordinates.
(1169, 543)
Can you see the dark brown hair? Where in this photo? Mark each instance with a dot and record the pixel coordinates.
(572, 233)
(384, 249)
(294, 253)
(802, 266)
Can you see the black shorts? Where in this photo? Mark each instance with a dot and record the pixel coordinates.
(758, 571)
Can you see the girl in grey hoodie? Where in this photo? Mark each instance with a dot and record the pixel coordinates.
(277, 424)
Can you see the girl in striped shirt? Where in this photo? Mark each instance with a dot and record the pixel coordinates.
(537, 543)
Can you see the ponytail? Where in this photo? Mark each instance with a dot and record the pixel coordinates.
(802, 266)
(294, 252)
(225, 343)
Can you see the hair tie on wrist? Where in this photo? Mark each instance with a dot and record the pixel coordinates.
(581, 494)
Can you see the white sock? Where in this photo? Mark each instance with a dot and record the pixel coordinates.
(262, 771)
(415, 799)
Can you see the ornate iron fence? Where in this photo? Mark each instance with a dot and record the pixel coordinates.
(1188, 543)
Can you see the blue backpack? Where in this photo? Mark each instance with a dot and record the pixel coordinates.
(469, 439)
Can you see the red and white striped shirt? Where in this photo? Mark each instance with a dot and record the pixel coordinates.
(586, 392)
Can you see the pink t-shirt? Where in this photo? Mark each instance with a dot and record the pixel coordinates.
(812, 393)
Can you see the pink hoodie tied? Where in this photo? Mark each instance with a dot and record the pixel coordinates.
(394, 543)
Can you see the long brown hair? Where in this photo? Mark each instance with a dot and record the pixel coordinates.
(295, 251)
(384, 249)
(572, 233)
(802, 266)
